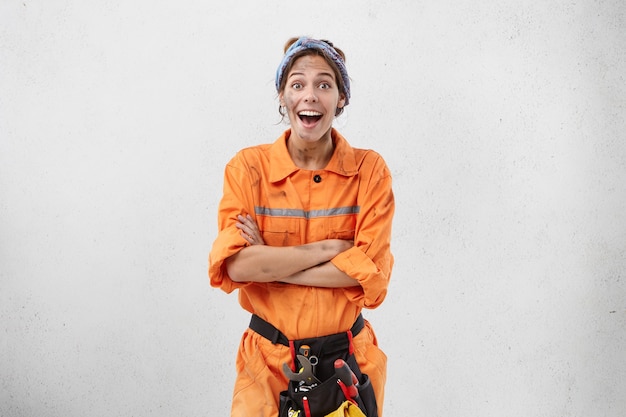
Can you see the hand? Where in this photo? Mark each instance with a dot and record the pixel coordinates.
(249, 230)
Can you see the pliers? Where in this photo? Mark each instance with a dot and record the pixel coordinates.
(304, 375)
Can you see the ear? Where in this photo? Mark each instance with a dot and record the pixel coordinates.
(342, 102)
(280, 99)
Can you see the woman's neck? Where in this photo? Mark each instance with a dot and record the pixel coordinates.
(311, 155)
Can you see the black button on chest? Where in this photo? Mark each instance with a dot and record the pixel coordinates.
(317, 179)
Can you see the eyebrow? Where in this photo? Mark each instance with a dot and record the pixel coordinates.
(321, 74)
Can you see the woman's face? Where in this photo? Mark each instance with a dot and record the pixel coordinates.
(311, 97)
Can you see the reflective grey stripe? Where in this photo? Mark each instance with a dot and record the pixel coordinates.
(277, 212)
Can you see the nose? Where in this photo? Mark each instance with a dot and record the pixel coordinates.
(310, 96)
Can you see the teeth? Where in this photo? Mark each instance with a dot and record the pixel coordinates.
(309, 113)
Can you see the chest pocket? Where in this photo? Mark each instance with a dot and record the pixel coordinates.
(342, 227)
(280, 231)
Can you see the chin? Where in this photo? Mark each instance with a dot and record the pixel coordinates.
(311, 135)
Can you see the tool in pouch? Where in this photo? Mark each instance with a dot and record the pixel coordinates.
(317, 396)
(305, 377)
(347, 381)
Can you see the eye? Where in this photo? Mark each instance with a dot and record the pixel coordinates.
(296, 86)
(325, 86)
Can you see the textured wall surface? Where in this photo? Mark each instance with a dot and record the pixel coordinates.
(503, 123)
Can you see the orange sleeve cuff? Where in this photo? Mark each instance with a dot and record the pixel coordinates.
(373, 280)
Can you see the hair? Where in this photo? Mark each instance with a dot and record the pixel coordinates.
(307, 52)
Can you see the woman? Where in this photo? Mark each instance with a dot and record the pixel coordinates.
(304, 233)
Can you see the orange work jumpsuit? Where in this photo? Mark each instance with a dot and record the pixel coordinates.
(350, 199)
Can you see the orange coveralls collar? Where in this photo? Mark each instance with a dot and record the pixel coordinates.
(343, 161)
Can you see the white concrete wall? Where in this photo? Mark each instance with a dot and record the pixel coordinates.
(503, 123)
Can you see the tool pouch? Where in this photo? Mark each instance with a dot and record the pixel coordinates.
(324, 399)
(327, 396)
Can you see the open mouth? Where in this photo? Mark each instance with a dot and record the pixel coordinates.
(309, 118)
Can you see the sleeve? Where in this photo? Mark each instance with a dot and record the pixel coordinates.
(370, 260)
(236, 199)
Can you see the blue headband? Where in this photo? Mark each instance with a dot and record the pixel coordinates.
(330, 52)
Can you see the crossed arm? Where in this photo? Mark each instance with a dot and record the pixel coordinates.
(307, 264)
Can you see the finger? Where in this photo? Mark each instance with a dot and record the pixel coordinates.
(245, 231)
(242, 227)
(246, 222)
(252, 224)
(249, 230)
(247, 237)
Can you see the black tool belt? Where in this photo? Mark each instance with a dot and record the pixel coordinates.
(271, 333)
(324, 397)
